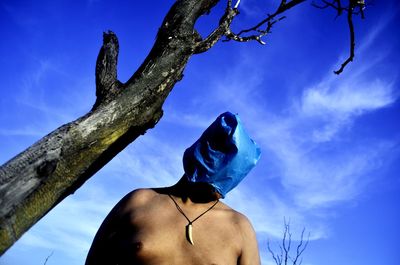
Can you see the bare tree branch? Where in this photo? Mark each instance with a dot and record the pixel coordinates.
(354, 7)
(334, 4)
(269, 21)
(107, 84)
(352, 38)
(222, 29)
(276, 259)
(262, 28)
(301, 247)
(285, 248)
(48, 257)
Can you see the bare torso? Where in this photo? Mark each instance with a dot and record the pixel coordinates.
(147, 228)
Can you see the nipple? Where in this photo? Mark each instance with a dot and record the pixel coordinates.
(137, 246)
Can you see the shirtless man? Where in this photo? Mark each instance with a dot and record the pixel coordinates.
(186, 224)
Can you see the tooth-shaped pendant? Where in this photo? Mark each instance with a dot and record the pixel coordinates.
(189, 234)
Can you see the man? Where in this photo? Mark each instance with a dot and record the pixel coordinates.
(186, 224)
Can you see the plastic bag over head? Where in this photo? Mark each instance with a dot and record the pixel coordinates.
(222, 156)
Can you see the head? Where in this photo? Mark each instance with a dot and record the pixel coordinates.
(222, 156)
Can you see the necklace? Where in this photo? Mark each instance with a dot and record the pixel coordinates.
(189, 235)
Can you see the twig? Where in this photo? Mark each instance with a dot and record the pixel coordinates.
(269, 21)
(223, 28)
(47, 258)
(285, 248)
(276, 259)
(355, 7)
(352, 41)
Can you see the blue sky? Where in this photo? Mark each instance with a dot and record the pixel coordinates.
(330, 144)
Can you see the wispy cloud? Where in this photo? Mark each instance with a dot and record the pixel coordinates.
(46, 110)
(346, 99)
(336, 103)
(149, 162)
(320, 166)
(34, 91)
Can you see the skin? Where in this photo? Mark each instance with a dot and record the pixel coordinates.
(146, 228)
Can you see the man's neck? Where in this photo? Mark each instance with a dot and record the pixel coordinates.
(195, 192)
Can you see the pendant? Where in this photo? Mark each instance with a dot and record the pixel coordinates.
(189, 233)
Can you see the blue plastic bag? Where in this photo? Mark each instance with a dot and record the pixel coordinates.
(222, 156)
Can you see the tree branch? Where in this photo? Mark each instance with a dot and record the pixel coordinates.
(351, 11)
(276, 259)
(270, 20)
(285, 247)
(223, 28)
(48, 257)
(36, 180)
(352, 38)
(300, 247)
(106, 69)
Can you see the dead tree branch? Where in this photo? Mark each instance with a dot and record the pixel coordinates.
(285, 256)
(223, 28)
(262, 28)
(107, 84)
(268, 22)
(48, 257)
(353, 8)
(36, 180)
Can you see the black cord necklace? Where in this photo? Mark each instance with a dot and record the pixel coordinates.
(189, 235)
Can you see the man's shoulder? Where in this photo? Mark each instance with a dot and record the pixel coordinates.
(132, 200)
(245, 232)
(237, 217)
(139, 197)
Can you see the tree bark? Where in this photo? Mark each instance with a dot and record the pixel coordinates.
(36, 180)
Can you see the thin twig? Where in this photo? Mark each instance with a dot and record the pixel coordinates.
(222, 29)
(285, 248)
(272, 253)
(47, 258)
(269, 21)
(352, 39)
(355, 7)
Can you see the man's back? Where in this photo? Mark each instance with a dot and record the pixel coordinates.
(146, 227)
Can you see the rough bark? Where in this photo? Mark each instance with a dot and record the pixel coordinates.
(33, 182)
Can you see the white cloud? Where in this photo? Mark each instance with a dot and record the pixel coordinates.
(346, 99)
(318, 167)
(336, 103)
(319, 182)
